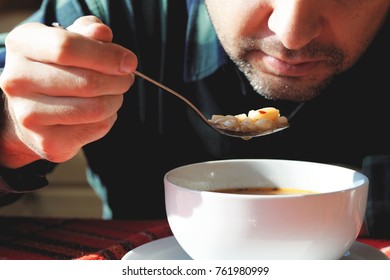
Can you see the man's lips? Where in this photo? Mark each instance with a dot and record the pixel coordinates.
(289, 68)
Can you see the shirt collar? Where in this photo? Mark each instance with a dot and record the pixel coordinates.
(203, 54)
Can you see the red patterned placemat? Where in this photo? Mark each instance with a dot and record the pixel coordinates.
(62, 239)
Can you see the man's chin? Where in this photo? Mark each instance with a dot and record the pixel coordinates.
(287, 88)
(292, 90)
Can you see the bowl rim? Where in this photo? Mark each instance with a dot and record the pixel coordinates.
(362, 177)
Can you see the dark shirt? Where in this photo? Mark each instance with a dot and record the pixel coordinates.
(156, 132)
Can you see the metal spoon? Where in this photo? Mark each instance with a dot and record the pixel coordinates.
(246, 135)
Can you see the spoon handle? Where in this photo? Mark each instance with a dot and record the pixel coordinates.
(143, 76)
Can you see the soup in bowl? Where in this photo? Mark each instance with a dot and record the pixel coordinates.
(265, 209)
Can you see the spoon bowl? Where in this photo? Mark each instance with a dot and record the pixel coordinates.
(244, 134)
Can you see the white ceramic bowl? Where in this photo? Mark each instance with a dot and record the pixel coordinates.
(210, 225)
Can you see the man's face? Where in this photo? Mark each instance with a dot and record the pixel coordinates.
(291, 49)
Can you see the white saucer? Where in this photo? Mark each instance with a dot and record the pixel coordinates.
(169, 249)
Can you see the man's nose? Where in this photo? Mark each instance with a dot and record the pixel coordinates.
(296, 22)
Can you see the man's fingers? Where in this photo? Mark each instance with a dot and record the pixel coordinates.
(59, 46)
(92, 27)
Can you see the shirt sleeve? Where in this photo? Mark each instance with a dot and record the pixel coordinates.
(377, 219)
(25, 179)
(16, 182)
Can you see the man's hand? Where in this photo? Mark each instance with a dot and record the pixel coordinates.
(63, 89)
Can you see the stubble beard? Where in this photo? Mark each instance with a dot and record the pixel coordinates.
(276, 87)
(281, 88)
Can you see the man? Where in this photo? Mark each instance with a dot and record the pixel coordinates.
(319, 62)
